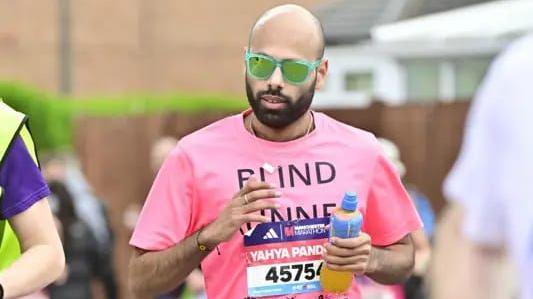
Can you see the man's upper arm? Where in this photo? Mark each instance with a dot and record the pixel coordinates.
(406, 242)
(390, 214)
(166, 216)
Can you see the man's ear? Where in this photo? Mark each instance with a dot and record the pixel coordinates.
(245, 49)
(321, 73)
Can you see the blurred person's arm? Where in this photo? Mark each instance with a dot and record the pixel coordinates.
(422, 252)
(42, 260)
(62, 279)
(450, 251)
(485, 264)
(477, 268)
(416, 285)
(195, 281)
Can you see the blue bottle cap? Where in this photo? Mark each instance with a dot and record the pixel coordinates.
(349, 202)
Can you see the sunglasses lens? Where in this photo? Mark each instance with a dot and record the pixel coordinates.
(295, 72)
(260, 67)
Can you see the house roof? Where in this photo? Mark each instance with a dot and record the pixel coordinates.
(350, 21)
(508, 18)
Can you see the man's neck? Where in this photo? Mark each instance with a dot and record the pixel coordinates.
(297, 129)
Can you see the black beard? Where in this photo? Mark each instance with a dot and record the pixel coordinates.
(279, 119)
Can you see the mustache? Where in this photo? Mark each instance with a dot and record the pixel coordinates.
(276, 93)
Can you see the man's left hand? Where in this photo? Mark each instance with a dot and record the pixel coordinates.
(348, 255)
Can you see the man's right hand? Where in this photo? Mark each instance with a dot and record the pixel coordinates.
(253, 197)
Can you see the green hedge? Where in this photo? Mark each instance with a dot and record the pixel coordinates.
(51, 116)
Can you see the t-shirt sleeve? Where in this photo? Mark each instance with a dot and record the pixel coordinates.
(21, 180)
(390, 214)
(166, 216)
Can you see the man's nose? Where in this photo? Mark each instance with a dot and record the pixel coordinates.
(276, 81)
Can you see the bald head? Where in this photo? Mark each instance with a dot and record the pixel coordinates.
(291, 26)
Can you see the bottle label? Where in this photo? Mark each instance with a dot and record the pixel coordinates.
(345, 228)
(285, 257)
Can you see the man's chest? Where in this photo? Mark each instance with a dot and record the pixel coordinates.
(310, 187)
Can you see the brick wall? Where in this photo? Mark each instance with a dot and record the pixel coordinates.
(124, 46)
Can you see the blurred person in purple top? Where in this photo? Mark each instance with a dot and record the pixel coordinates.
(24, 205)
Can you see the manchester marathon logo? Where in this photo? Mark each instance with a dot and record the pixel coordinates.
(304, 230)
(296, 231)
(287, 231)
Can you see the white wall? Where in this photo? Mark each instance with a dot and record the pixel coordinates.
(390, 81)
(387, 74)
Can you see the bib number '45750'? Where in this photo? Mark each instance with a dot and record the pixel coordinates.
(285, 257)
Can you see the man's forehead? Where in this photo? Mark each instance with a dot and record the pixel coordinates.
(282, 41)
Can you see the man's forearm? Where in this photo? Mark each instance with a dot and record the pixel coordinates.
(392, 264)
(157, 272)
(35, 269)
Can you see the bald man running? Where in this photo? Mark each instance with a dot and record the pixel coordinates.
(229, 195)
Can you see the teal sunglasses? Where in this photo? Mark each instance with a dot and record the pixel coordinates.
(294, 71)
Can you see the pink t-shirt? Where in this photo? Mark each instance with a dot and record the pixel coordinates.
(209, 166)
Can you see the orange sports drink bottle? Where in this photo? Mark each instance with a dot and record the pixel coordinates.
(345, 222)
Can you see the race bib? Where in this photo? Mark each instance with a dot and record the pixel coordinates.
(285, 257)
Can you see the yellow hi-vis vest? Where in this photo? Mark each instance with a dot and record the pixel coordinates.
(12, 124)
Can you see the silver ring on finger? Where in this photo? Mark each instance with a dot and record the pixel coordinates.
(245, 197)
